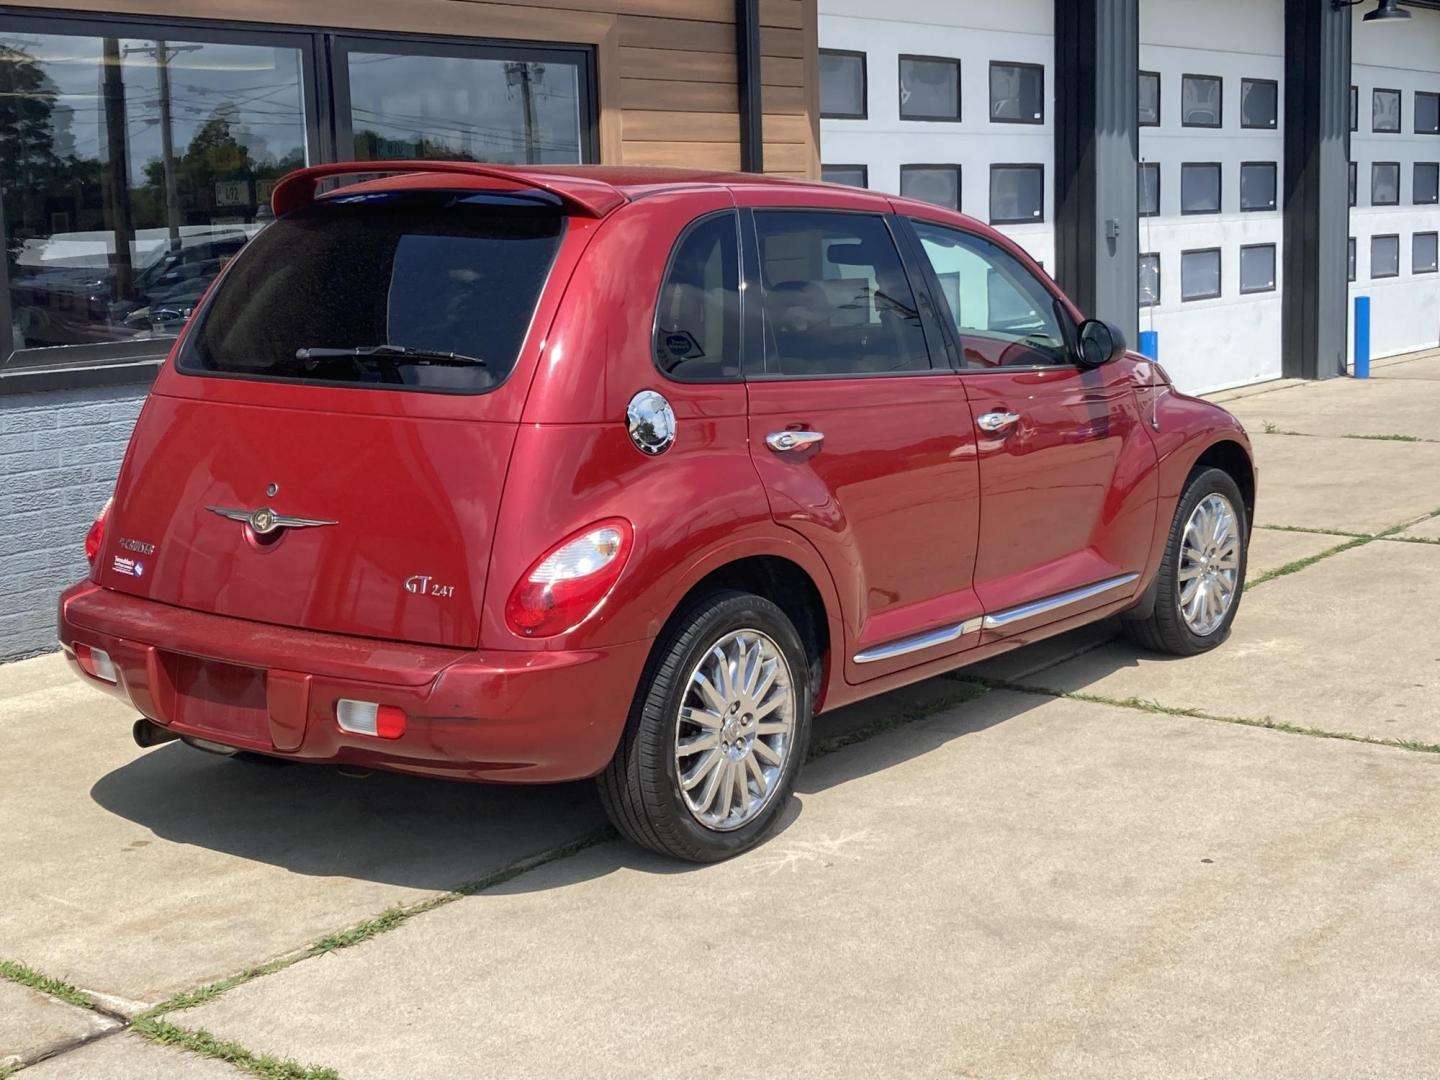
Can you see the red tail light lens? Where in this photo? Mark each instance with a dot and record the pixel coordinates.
(569, 582)
(96, 536)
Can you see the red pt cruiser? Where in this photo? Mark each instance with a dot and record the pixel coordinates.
(534, 474)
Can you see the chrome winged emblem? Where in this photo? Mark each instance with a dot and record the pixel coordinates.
(264, 520)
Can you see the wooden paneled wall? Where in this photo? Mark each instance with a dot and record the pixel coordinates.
(666, 68)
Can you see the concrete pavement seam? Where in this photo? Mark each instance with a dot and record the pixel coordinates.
(1355, 541)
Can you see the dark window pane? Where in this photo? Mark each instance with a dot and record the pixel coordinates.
(1257, 186)
(1427, 182)
(1200, 189)
(108, 238)
(1149, 99)
(1259, 103)
(1354, 182)
(1201, 99)
(1199, 274)
(697, 320)
(1384, 256)
(837, 301)
(1385, 183)
(1427, 113)
(1351, 259)
(413, 269)
(850, 175)
(1257, 268)
(1354, 108)
(842, 84)
(1017, 93)
(1149, 187)
(929, 89)
(1002, 313)
(464, 108)
(1017, 194)
(938, 184)
(1149, 280)
(1385, 111)
(1423, 254)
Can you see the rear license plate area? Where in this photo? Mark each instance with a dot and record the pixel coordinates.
(224, 700)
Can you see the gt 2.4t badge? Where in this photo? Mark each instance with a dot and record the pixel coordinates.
(424, 585)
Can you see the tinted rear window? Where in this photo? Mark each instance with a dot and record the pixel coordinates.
(434, 273)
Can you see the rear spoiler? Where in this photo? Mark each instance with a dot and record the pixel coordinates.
(581, 194)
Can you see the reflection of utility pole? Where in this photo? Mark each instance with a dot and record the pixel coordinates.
(163, 55)
(519, 73)
(117, 179)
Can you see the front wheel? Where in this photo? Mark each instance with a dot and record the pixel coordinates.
(1200, 582)
(717, 733)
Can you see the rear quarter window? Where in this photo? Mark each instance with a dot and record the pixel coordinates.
(430, 290)
(697, 316)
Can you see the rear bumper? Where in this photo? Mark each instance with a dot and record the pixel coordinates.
(518, 717)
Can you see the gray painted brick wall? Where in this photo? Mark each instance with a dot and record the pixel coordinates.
(59, 453)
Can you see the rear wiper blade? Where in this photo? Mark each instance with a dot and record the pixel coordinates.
(311, 357)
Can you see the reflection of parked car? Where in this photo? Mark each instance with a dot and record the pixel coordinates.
(529, 475)
(169, 288)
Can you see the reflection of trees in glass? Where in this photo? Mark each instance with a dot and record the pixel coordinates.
(28, 98)
(372, 146)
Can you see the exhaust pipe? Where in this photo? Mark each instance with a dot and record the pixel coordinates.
(147, 733)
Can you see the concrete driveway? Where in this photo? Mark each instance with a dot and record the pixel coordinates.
(1076, 860)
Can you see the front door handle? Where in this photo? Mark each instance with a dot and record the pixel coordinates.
(996, 421)
(783, 441)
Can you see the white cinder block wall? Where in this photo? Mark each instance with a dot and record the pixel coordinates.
(1404, 310)
(975, 33)
(1235, 338)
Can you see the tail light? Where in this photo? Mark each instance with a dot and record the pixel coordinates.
(96, 536)
(569, 582)
(95, 662)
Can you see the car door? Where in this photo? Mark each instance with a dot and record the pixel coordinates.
(863, 445)
(1067, 472)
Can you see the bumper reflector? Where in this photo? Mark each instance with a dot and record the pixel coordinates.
(95, 662)
(369, 718)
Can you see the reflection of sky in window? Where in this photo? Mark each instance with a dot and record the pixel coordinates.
(257, 87)
(468, 105)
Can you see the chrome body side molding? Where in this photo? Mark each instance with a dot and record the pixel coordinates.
(928, 640)
(1001, 619)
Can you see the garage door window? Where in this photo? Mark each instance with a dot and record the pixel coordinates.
(938, 184)
(1257, 268)
(1149, 280)
(1200, 188)
(1257, 185)
(1385, 256)
(1017, 194)
(1424, 254)
(1200, 274)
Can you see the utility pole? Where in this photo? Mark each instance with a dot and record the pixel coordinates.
(517, 73)
(117, 171)
(163, 54)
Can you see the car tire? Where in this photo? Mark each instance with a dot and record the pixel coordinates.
(1170, 628)
(666, 795)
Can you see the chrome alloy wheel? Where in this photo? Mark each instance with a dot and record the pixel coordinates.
(735, 730)
(1209, 564)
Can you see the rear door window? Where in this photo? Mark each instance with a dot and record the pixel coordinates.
(431, 290)
(837, 300)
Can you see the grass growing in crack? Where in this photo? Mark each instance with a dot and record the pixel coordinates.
(1271, 428)
(207, 1045)
(966, 692)
(1317, 531)
(1309, 560)
(1387, 438)
(56, 988)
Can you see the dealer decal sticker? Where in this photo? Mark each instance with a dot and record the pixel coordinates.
(128, 567)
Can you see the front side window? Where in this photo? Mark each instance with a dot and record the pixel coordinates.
(109, 238)
(929, 88)
(1149, 188)
(1002, 314)
(849, 175)
(1385, 111)
(1149, 114)
(1259, 103)
(1257, 185)
(1385, 256)
(697, 318)
(1149, 280)
(1200, 188)
(1385, 183)
(1257, 268)
(1427, 113)
(429, 290)
(938, 184)
(842, 84)
(1200, 274)
(1423, 253)
(1426, 183)
(837, 300)
(1201, 101)
(1017, 194)
(1017, 93)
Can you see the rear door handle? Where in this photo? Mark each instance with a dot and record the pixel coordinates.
(996, 421)
(784, 441)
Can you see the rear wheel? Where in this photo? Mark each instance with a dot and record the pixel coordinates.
(719, 728)
(1200, 582)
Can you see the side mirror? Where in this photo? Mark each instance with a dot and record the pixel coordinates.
(1099, 343)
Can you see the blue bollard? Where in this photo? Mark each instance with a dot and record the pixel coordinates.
(1150, 344)
(1362, 337)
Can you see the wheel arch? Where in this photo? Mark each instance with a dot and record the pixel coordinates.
(1231, 458)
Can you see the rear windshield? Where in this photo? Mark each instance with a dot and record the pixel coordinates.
(429, 290)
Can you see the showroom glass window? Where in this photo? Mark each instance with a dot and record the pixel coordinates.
(1259, 103)
(929, 88)
(850, 175)
(1427, 113)
(1017, 93)
(1202, 101)
(842, 84)
(132, 169)
(1426, 188)
(938, 184)
(1257, 185)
